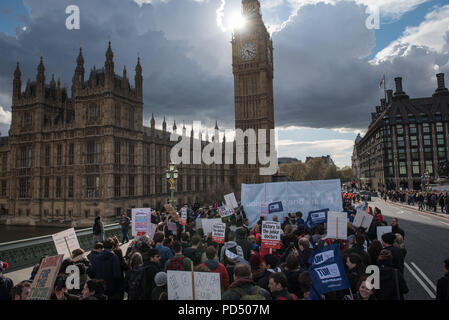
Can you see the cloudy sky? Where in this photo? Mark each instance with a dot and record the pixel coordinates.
(328, 59)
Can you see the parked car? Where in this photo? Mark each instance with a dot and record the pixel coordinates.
(365, 196)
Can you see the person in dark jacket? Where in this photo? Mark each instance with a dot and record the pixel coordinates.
(244, 285)
(98, 230)
(270, 265)
(374, 250)
(97, 249)
(359, 249)
(443, 284)
(277, 283)
(150, 268)
(398, 256)
(304, 252)
(395, 227)
(242, 241)
(355, 268)
(107, 268)
(392, 284)
(6, 284)
(94, 289)
(292, 272)
(192, 252)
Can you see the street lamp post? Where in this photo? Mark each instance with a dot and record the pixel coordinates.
(171, 175)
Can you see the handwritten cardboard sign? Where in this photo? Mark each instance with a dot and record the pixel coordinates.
(65, 242)
(44, 280)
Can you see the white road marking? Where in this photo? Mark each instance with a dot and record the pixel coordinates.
(400, 212)
(444, 223)
(432, 285)
(426, 288)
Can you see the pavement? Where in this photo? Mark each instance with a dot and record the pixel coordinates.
(426, 241)
(25, 273)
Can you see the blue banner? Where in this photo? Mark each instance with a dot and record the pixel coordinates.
(275, 207)
(304, 196)
(327, 271)
(315, 218)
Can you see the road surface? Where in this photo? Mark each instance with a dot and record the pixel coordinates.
(427, 244)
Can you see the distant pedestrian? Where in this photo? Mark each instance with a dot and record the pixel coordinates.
(98, 230)
(443, 284)
(125, 222)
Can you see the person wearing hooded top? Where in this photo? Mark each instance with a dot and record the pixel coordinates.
(398, 256)
(392, 284)
(107, 268)
(234, 248)
(94, 289)
(217, 267)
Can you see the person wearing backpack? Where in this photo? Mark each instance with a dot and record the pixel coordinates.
(443, 284)
(98, 230)
(277, 284)
(178, 261)
(243, 287)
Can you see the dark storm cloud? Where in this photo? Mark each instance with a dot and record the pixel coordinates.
(323, 78)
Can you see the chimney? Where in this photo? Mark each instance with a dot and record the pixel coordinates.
(399, 91)
(373, 116)
(377, 109)
(389, 96)
(441, 84)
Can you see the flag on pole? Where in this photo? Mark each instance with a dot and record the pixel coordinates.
(382, 82)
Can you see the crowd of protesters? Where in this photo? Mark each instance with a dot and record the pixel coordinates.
(140, 273)
(430, 201)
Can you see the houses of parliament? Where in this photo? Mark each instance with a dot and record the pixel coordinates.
(68, 159)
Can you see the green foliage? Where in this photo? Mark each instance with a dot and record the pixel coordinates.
(315, 169)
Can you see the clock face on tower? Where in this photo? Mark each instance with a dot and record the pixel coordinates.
(248, 51)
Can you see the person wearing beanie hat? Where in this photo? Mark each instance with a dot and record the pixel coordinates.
(398, 257)
(160, 291)
(6, 284)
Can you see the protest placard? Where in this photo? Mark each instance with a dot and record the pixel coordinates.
(337, 225)
(275, 207)
(65, 242)
(327, 271)
(218, 232)
(225, 211)
(231, 202)
(183, 216)
(382, 230)
(362, 219)
(315, 218)
(207, 224)
(141, 221)
(264, 210)
(271, 234)
(205, 285)
(44, 280)
(232, 256)
(179, 285)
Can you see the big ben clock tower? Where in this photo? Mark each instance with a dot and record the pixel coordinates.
(252, 65)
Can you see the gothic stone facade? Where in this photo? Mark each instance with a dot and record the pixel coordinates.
(406, 138)
(67, 160)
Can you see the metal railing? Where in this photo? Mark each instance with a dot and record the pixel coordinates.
(25, 253)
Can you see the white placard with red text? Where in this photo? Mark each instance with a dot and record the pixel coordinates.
(271, 234)
(218, 232)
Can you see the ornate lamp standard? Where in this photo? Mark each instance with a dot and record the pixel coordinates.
(172, 175)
